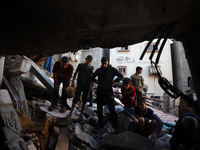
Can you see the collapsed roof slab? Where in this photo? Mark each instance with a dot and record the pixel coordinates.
(51, 27)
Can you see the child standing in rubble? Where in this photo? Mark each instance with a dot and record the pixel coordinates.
(84, 71)
(128, 93)
(105, 81)
(147, 123)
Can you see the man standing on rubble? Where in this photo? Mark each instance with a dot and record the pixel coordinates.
(105, 81)
(138, 83)
(62, 72)
(84, 71)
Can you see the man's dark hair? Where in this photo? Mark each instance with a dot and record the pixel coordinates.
(104, 59)
(141, 99)
(65, 59)
(138, 68)
(126, 81)
(89, 57)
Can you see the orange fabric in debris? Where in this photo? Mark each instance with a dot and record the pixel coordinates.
(42, 128)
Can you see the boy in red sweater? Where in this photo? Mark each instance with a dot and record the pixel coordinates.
(128, 93)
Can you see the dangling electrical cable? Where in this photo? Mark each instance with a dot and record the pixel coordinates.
(164, 41)
(169, 88)
(155, 33)
(155, 47)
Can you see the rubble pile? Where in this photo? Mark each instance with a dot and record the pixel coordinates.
(32, 126)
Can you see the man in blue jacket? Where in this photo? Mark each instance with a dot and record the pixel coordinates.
(105, 81)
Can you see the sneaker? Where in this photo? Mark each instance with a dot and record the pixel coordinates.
(52, 107)
(63, 109)
(81, 117)
(68, 117)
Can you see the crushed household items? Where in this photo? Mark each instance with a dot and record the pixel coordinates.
(26, 122)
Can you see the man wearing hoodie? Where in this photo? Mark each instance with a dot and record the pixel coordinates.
(105, 81)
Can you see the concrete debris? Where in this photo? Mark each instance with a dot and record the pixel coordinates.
(11, 124)
(88, 128)
(127, 141)
(71, 134)
(17, 144)
(125, 123)
(85, 137)
(109, 128)
(89, 111)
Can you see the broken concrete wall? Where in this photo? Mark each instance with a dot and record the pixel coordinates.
(22, 104)
(1, 69)
(11, 121)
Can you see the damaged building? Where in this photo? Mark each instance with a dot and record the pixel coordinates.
(78, 28)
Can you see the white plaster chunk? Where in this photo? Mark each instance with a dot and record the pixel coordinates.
(5, 97)
(20, 66)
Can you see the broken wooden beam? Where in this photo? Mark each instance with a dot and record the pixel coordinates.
(63, 140)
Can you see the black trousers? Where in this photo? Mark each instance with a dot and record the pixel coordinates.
(81, 88)
(105, 97)
(64, 94)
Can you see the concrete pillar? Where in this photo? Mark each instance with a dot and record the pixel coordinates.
(166, 105)
(191, 44)
(176, 67)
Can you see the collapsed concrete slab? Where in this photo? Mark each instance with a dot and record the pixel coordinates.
(40, 75)
(125, 123)
(127, 141)
(85, 137)
(12, 126)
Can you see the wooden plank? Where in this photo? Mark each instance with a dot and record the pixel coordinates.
(154, 99)
(63, 140)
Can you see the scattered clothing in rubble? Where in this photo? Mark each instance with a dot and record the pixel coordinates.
(31, 137)
(163, 142)
(42, 128)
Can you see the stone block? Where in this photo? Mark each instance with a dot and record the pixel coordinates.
(109, 128)
(85, 137)
(88, 128)
(125, 123)
(18, 144)
(127, 141)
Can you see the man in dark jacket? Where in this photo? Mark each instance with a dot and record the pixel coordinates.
(186, 133)
(105, 81)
